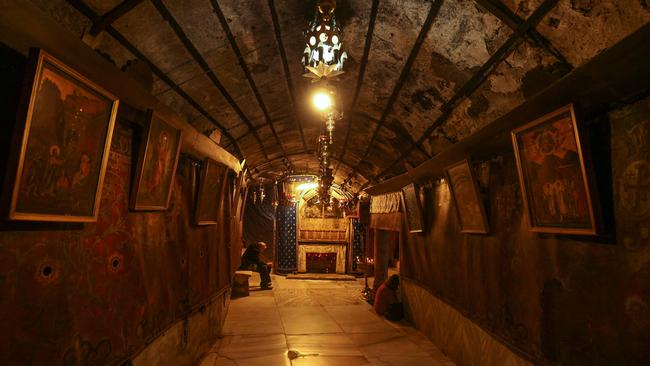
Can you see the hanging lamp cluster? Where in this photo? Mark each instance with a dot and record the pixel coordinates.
(323, 56)
(323, 59)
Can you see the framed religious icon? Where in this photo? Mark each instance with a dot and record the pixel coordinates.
(64, 132)
(413, 208)
(157, 162)
(467, 198)
(211, 185)
(554, 182)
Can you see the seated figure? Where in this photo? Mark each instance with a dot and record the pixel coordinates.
(252, 259)
(386, 302)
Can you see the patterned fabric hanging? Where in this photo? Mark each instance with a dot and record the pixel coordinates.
(358, 240)
(286, 229)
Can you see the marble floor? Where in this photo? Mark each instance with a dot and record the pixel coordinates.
(316, 323)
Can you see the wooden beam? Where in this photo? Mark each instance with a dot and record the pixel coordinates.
(300, 153)
(41, 31)
(285, 66)
(112, 15)
(247, 72)
(501, 11)
(613, 78)
(198, 58)
(426, 27)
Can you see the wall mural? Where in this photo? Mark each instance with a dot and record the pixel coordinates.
(61, 164)
(97, 293)
(568, 299)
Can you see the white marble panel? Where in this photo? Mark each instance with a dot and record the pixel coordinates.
(458, 337)
(339, 249)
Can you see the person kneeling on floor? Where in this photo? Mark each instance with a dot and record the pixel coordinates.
(252, 260)
(386, 302)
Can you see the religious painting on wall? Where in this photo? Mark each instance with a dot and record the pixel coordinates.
(157, 162)
(554, 182)
(211, 185)
(413, 208)
(64, 143)
(467, 198)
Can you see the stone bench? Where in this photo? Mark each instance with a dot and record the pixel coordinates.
(240, 286)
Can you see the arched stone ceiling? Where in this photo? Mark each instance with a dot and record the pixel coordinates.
(421, 75)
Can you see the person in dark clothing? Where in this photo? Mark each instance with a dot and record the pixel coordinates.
(252, 259)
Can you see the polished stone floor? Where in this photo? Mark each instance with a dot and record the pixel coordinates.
(316, 323)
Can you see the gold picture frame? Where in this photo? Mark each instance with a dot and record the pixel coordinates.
(413, 208)
(157, 163)
(211, 185)
(466, 195)
(555, 184)
(63, 133)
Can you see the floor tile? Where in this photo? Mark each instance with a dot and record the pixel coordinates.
(248, 346)
(386, 343)
(404, 360)
(209, 360)
(323, 345)
(331, 361)
(357, 319)
(308, 320)
(324, 323)
(273, 360)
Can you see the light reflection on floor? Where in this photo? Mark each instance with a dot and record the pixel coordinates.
(316, 323)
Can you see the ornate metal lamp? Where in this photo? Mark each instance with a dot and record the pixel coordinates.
(323, 57)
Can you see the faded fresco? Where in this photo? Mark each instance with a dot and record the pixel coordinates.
(65, 147)
(553, 174)
(567, 299)
(153, 183)
(98, 293)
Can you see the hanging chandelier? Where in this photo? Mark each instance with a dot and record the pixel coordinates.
(323, 57)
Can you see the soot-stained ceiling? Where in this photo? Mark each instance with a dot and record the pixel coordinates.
(421, 75)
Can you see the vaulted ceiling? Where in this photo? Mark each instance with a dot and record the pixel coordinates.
(421, 75)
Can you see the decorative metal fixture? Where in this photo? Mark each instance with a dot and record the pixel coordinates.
(326, 178)
(261, 194)
(323, 57)
(275, 196)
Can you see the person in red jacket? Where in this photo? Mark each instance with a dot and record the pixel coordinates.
(386, 302)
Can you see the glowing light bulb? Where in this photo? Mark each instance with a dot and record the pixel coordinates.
(306, 186)
(322, 101)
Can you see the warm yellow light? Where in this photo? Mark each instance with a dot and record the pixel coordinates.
(306, 186)
(322, 101)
